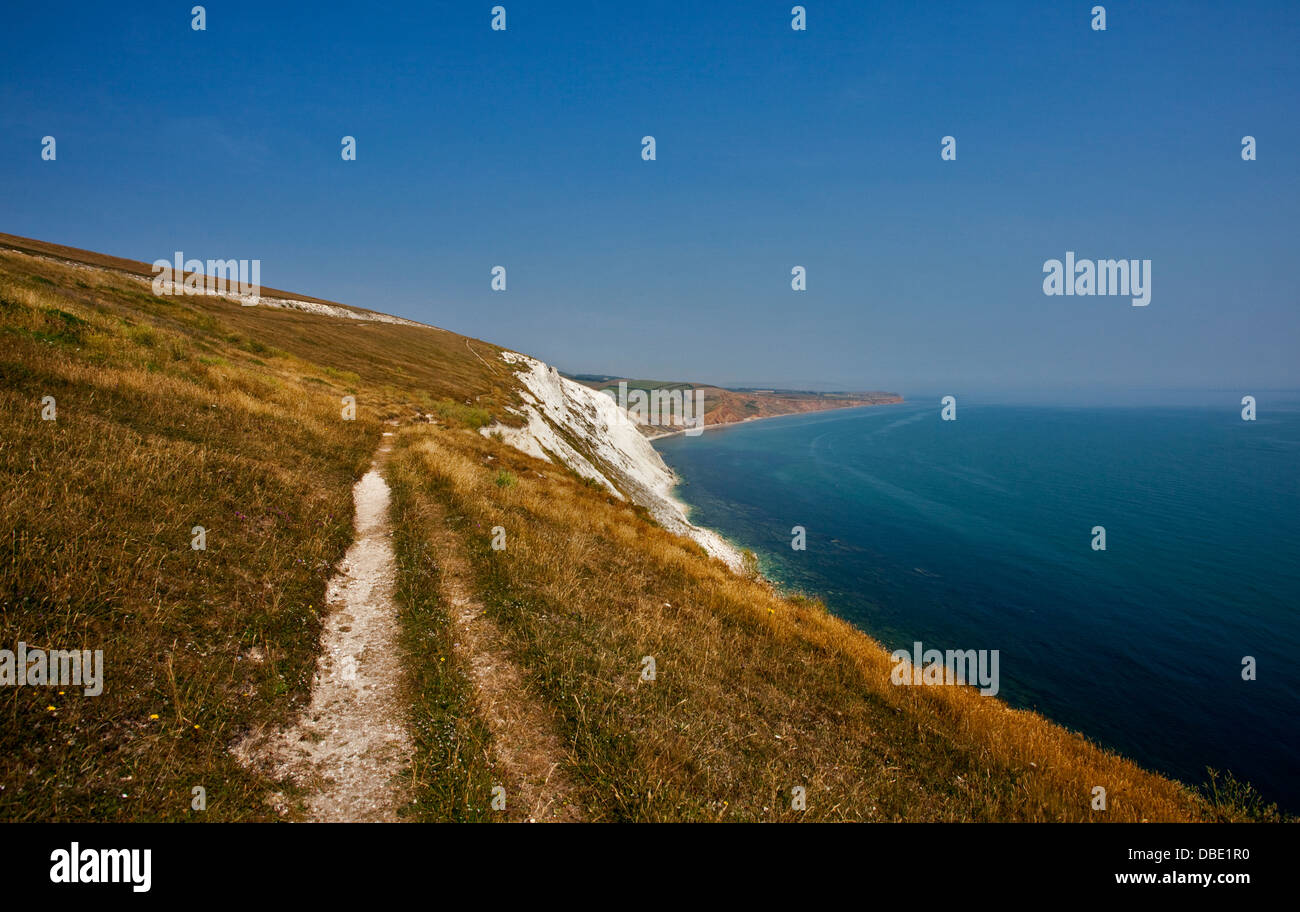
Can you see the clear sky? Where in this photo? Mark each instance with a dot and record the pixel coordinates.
(775, 148)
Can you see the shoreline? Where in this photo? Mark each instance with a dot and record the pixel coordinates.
(685, 508)
(719, 424)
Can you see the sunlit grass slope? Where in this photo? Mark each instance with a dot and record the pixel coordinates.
(173, 413)
(754, 693)
(180, 412)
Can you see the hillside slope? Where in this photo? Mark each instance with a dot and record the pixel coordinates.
(178, 412)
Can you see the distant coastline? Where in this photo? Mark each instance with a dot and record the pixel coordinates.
(656, 433)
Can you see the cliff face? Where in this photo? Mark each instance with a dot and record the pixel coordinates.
(587, 431)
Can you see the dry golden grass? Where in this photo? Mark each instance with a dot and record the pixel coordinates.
(176, 412)
(755, 693)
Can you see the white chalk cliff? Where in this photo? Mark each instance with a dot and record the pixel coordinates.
(588, 432)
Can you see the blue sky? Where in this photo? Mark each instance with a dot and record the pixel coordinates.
(774, 148)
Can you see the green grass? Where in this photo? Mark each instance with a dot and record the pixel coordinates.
(451, 772)
(460, 414)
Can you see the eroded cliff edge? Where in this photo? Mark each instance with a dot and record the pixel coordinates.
(587, 431)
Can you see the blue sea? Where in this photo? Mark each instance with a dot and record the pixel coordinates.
(977, 534)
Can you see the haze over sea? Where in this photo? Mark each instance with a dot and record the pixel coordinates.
(977, 534)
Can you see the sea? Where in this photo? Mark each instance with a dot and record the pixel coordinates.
(980, 533)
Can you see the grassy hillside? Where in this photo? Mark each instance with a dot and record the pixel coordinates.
(754, 693)
(180, 412)
(173, 413)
